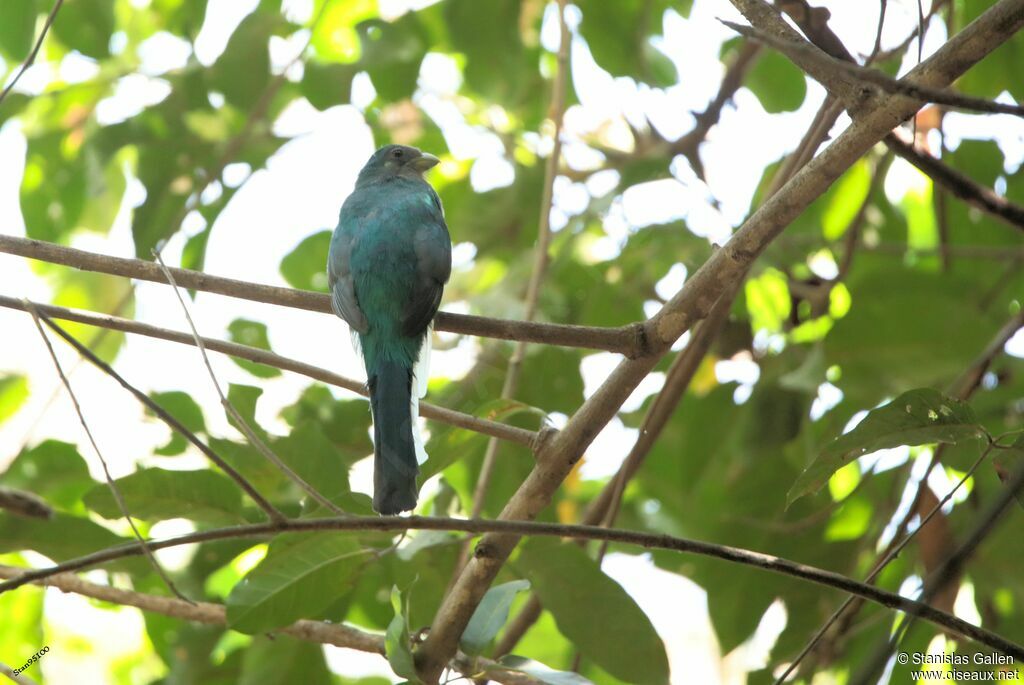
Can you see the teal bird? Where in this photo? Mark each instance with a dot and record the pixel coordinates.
(389, 259)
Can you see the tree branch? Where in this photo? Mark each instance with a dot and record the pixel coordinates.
(240, 422)
(647, 540)
(557, 456)
(114, 490)
(627, 340)
(962, 186)
(600, 511)
(958, 183)
(818, 64)
(540, 266)
(254, 354)
(269, 509)
(35, 49)
(208, 613)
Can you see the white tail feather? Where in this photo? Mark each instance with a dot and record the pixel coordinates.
(420, 378)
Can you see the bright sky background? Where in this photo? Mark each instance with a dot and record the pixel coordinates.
(300, 193)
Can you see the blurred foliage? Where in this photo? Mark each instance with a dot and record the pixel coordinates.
(925, 292)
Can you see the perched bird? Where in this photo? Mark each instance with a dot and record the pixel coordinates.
(389, 259)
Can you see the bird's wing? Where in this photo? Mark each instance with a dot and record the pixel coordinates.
(339, 278)
(433, 249)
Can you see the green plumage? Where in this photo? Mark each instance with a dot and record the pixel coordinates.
(389, 259)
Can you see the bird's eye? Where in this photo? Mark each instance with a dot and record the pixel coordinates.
(397, 154)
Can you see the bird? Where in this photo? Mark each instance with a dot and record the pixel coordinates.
(389, 259)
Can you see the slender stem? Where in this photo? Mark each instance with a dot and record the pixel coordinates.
(268, 508)
(540, 265)
(320, 632)
(114, 489)
(737, 555)
(267, 358)
(30, 60)
(627, 340)
(558, 455)
(240, 422)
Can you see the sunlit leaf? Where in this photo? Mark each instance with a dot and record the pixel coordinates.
(301, 575)
(162, 494)
(490, 615)
(594, 611)
(917, 417)
(252, 334)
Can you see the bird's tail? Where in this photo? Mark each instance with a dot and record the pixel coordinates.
(394, 448)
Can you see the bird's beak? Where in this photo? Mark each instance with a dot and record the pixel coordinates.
(424, 161)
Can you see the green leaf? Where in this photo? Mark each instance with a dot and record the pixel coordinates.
(594, 612)
(86, 26)
(392, 52)
(917, 417)
(346, 423)
(327, 85)
(490, 615)
(181, 406)
(497, 64)
(244, 399)
(284, 660)
(305, 267)
(541, 672)
(396, 641)
(1008, 462)
(159, 494)
(243, 70)
(311, 455)
(13, 393)
(53, 470)
(626, 53)
(253, 334)
(300, 577)
(17, 28)
(60, 538)
(777, 83)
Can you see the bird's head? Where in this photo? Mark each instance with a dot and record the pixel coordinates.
(397, 161)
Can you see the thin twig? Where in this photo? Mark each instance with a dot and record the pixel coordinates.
(24, 503)
(950, 569)
(114, 489)
(557, 456)
(540, 265)
(962, 388)
(320, 632)
(737, 555)
(271, 359)
(269, 509)
(958, 183)
(804, 53)
(35, 48)
(880, 566)
(627, 340)
(265, 357)
(240, 422)
(18, 678)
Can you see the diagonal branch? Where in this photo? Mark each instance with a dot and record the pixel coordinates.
(208, 613)
(647, 540)
(557, 455)
(540, 266)
(958, 183)
(962, 186)
(255, 354)
(240, 422)
(35, 48)
(843, 78)
(627, 340)
(114, 490)
(269, 509)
